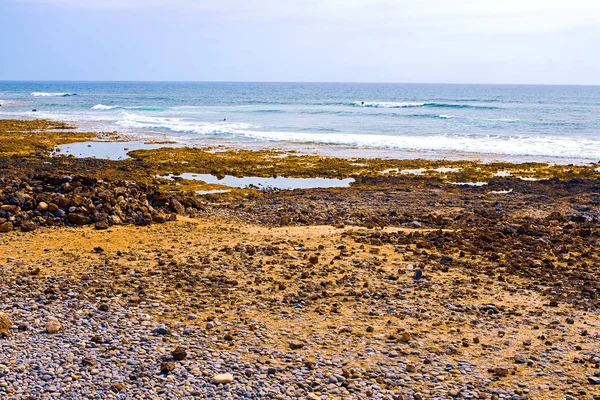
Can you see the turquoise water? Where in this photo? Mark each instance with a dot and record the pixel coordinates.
(531, 122)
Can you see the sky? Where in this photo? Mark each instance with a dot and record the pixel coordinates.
(416, 41)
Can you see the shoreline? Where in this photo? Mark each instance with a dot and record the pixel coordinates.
(324, 149)
(299, 294)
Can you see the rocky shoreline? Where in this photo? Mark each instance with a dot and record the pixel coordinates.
(115, 284)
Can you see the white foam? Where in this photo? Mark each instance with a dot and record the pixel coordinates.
(559, 147)
(5, 103)
(387, 104)
(182, 125)
(207, 192)
(500, 191)
(103, 107)
(503, 173)
(46, 94)
(477, 184)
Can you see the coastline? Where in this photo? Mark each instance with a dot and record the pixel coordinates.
(308, 293)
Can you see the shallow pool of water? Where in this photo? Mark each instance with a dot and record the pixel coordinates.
(103, 150)
(266, 183)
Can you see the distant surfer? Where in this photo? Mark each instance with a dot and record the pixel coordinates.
(224, 119)
(362, 103)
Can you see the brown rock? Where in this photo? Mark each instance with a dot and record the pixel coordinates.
(79, 219)
(28, 226)
(167, 367)
(101, 225)
(179, 353)
(97, 339)
(53, 326)
(500, 371)
(176, 206)
(6, 227)
(5, 324)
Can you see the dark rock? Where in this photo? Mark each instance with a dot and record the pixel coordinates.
(79, 219)
(6, 227)
(28, 226)
(101, 225)
(179, 353)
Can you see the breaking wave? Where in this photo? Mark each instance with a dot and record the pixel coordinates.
(393, 104)
(559, 147)
(104, 107)
(46, 94)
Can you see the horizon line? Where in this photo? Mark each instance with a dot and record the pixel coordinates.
(292, 82)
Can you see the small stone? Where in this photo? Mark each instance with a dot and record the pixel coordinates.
(53, 326)
(86, 361)
(570, 321)
(520, 359)
(179, 353)
(103, 307)
(593, 380)
(161, 330)
(222, 378)
(23, 327)
(167, 367)
(117, 387)
(370, 329)
(97, 339)
(500, 371)
(296, 345)
(405, 337)
(411, 368)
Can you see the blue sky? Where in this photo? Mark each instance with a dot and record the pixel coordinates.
(473, 41)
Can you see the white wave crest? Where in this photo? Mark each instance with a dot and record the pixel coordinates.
(386, 104)
(13, 103)
(556, 147)
(46, 94)
(103, 107)
(182, 125)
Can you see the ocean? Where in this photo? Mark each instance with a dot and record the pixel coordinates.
(530, 123)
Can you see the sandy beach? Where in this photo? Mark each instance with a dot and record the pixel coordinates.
(411, 279)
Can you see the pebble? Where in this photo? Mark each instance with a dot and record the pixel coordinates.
(222, 378)
(53, 325)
